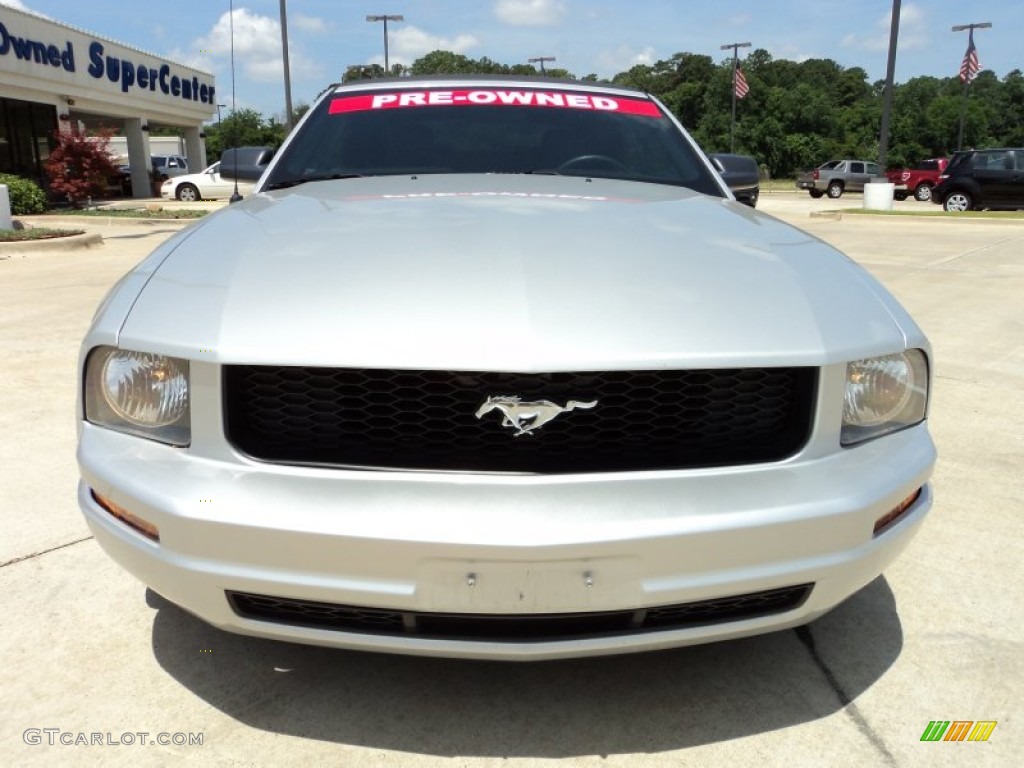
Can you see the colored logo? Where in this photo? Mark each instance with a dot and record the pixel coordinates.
(958, 730)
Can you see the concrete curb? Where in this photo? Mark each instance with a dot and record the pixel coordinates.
(86, 222)
(69, 243)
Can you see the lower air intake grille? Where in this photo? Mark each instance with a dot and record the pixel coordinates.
(515, 628)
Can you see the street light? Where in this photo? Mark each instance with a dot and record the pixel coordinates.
(735, 56)
(385, 18)
(541, 59)
(969, 74)
(218, 112)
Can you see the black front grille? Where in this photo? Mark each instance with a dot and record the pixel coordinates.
(643, 420)
(537, 627)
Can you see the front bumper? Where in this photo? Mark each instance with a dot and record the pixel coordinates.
(501, 545)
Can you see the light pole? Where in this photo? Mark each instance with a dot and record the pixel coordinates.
(735, 57)
(385, 18)
(968, 70)
(218, 113)
(287, 69)
(890, 73)
(541, 60)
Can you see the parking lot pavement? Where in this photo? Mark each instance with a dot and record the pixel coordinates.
(88, 650)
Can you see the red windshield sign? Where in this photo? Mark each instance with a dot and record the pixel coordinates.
(511, 98)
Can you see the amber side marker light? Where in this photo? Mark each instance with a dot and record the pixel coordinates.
(892, 515)
(147, 529)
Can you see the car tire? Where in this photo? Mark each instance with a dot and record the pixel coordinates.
(957, 202)
(923, 193)
(816, 193)
(188, 192)
(835, 189)
(900, 195)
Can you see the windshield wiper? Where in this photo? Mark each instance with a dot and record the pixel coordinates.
(324, 177)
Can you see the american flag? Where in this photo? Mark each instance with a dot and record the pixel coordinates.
(740, 84)
(969, 66)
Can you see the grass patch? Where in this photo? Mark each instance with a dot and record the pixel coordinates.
(133, 213)
(941, 213)
(36, 233)
(780, 185)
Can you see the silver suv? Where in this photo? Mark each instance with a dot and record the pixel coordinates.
(168, 166)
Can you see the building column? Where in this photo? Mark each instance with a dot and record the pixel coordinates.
(195, 148)
(67, 124)
(138, 157)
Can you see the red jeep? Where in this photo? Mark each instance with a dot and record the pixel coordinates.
(919, 180)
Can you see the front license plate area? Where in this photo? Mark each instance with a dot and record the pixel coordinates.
(498, 587)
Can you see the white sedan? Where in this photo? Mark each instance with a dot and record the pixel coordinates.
(208, 185)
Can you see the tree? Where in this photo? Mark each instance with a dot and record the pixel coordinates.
(444, 63)
(80, 166)
(245, 127)
(797, 114)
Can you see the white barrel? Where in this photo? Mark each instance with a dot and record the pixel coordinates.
(878, 195)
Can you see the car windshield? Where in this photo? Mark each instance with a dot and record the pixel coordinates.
(491, 129)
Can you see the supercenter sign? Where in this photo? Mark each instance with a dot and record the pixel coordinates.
(27, 47)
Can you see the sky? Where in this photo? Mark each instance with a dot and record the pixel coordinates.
(603, 37)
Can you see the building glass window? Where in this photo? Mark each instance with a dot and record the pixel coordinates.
(26, 131)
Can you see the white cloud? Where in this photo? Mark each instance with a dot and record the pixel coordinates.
(307, 24)
(408, 43)
(913, 32)
(530, 13)
(624, 58)
(22, 7)
(257, 47)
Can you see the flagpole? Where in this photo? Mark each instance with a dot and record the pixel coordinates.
(963, 114)
(968, 71)
(735, 57)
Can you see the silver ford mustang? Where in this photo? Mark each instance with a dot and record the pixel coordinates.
(499, 369)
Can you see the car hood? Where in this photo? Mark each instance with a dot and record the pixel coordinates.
(519, 273)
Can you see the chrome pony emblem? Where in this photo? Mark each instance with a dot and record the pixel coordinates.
(524, 418)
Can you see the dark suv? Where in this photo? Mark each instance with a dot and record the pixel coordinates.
(245, 163)
(982, 178)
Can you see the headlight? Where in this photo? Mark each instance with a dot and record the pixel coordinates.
(139, 393)
(883, 395)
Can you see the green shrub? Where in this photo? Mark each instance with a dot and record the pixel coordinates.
(26, 196)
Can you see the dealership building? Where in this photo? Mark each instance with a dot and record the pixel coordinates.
(54, 77)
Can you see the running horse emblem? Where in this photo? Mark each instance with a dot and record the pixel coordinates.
(527, 417)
